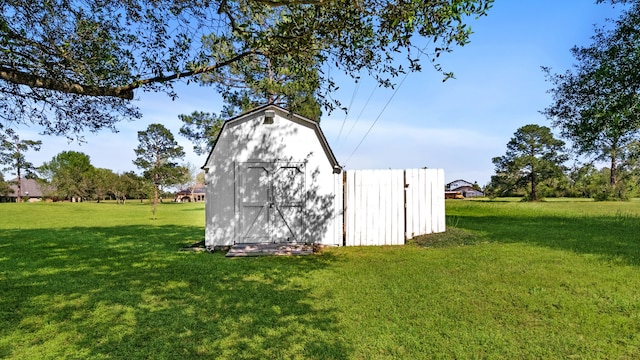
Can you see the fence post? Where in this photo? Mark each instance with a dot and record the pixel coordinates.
(344, 208)
(404, 203)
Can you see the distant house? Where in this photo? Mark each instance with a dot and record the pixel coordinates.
(187, 195)
(30, 188)
(464, 187)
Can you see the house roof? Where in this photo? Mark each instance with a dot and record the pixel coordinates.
(465, 181)
(29, 186)
(288, 115)
(198, 189)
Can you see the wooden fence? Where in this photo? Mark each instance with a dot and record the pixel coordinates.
(386, 207)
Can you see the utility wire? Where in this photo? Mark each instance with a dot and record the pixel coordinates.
(383, 109)
(355, 92)
(395, 91)
(353, 125)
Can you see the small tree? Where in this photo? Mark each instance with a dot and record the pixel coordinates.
(12, 155)
(155, 155)
(533, 156)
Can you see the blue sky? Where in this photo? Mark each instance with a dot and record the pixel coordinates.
(458, 125)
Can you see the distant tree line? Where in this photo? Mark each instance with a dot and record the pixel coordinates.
(70, 175)
(534, 167)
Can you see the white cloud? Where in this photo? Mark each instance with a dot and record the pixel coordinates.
(463, 153)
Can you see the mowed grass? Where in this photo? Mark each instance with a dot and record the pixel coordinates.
(507, 280)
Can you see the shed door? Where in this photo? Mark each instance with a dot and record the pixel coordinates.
(270, 201)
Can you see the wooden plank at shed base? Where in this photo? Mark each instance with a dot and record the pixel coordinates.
(244, 250)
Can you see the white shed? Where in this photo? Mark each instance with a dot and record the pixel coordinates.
(272, 178)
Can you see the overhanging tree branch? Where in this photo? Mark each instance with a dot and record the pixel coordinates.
(276, 3)
(122, 92)
(186, 74)
(35, 81)
(91, 55)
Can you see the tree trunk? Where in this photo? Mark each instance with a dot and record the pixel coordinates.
(613, 179)
(155, 199)
(19, 198)
(534, 194)
(532, 154)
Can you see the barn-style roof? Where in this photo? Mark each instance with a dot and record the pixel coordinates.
(288, 115)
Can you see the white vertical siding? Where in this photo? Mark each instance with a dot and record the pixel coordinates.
(249, 139)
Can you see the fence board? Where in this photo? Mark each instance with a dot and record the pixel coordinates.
(425, 202)
(383, 207)
(374, 200)
(412, 200)
(438, 202)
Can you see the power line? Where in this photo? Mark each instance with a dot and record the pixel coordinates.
(421, 52)
(353, 125)
(379, 115)
(355, 91)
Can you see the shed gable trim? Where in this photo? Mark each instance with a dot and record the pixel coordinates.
(287, 115)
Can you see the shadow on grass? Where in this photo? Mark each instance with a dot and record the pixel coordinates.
(127, 292)
(615, 237)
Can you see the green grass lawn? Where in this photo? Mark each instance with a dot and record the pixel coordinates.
(508, 280)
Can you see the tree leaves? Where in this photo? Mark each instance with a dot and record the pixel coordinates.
(597, 103)
(56, 53)
(70, 173)
(202, 129)
(13, 157)
(533, 155)
(155, 155)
